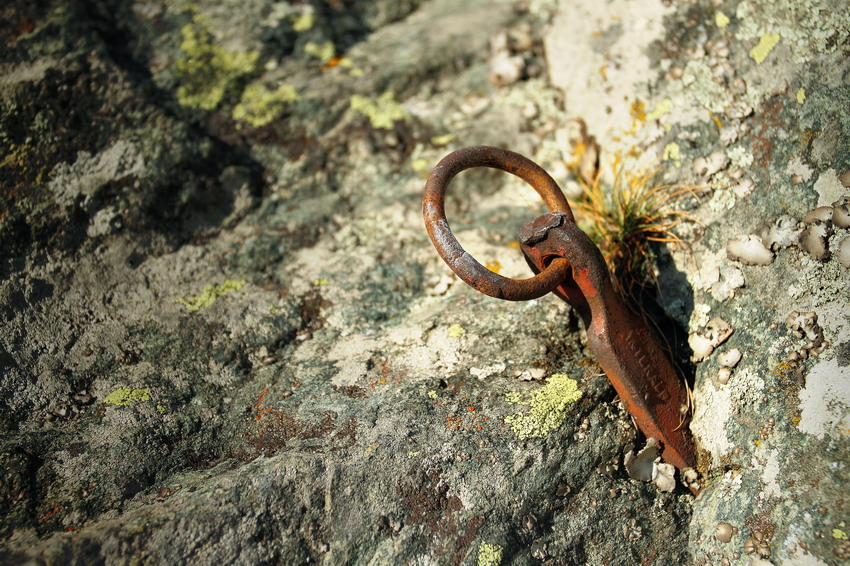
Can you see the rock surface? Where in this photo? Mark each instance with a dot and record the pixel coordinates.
(226, 338)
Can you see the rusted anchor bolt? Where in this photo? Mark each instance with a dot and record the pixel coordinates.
(569, 264)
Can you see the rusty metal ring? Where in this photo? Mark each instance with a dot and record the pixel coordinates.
(464, 265)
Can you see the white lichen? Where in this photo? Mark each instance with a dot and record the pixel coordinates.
(841, 212)
(505, 69)
(663, 476)
(798, 168)
(731, 278)
(825, 400)
(805, 325)
(843, 253)
(749, 250)
(784, 232)
(639, 466)
(706, 167)
(702, 343)
(710, 417)
(743, 188)
(729, 358)
(829, 187)
(813, 239)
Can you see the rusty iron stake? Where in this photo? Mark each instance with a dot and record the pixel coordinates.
(569, 264)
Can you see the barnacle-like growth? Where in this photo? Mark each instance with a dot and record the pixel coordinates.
(624, 217)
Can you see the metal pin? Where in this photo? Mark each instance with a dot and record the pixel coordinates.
(566, 262)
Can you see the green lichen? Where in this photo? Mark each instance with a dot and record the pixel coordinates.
(489, 554)
(209, 294)
(209, 72)
(125, 396)
(383, 112)
(260, 106)
(548, 407)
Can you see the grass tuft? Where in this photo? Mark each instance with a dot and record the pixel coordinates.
(625, 217)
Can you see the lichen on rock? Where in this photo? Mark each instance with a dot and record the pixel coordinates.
(383, 112)
(209, 73)
(260, 105)
(127, 396)
(548, 407)
(209, 294)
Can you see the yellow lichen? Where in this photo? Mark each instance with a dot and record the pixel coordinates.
(303, 21)
(495, 266)
(765, 45)
(209, 73)
(489, 554)
(455, 331)
(445, 139)
(801, 95)
(548, 407)
(383, 112)
(209, 294)
(19, 157)
(672, 153)
(260, 106)
(721, 19)
(125, 395)
(323, 52)
(660, 110)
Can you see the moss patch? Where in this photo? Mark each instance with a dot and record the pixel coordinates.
(209, 294)
(549, 407)
(209, 72)
(125, 396)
